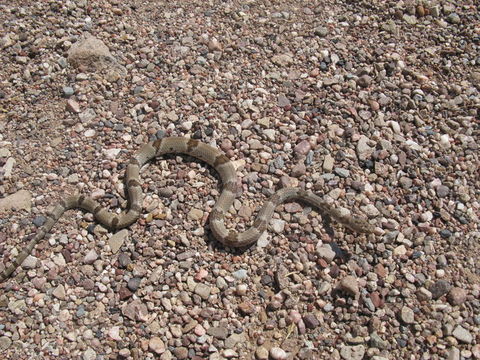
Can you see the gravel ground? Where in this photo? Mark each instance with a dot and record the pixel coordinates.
(372, 103)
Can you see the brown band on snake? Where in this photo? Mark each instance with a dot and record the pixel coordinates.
(224, 167)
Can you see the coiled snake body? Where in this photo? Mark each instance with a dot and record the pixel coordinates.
(226, 170)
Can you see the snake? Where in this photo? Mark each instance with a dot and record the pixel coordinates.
(225, 168)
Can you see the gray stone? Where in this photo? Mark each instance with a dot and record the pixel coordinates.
(21, 200)
(321, 31)
(30, 262)
(240, 274)
(67, 91)
(59, 292)
(407, 315)
(352, 352)
(90, 257)
(116, 240)
(328, 163)
(203, 291)
(342, 172)
(462, 335)
(234, 339)
(282, 60)
(89, 354)
(277, 353)
(325, 252)
(278, 225)
(349, 285)
(440, 288)
(90, 52)
(283, 100)
(218, 332)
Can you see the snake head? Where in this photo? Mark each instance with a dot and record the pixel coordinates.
(359, 225)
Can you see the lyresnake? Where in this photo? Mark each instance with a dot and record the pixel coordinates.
(226, 170)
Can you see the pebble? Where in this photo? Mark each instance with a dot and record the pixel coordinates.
(117, 240)
(203, 291)
(89, 354)
(240, 274)
(73, 106)
(407, 315)
(59, 292)
(277, 353)
(440, 288)
(30, 262)
(156, 345)
(278, 225)
(462, 335)
(90, 257)
(67, 91)
(325, 252)
(261, 353)
(456, 296)
(349, 285)
(356, 352)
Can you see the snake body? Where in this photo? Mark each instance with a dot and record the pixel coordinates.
(226, 170)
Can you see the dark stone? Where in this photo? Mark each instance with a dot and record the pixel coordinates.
(124, 293)
(134, 283)
(124, 260)
(311, 321)
(440, 288)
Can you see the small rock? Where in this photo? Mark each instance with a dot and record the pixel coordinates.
(457, 296)
(407, 315)
(299, 170)
(181, 353)
(195, 214)
(440, 288)
(282, 60)
(30, 262)
(90, 257)
(116, 240)
(133, 284)
(261, 353)
(89, 354)
(349, 285)
(321, 31)
(59, 292)
(352, 352)
(462, 334)
(156, 345)
(240, 274)
(326, 252)
(453, 18)
(246, 308)
(277, 353)
(203, 291)
(73, 106)
(302, 148)
(344, 173)
(278, 225)
(328, 163)
(67, 91)
(21, 200)
(214, 45)
(218, 332)
(311, 321)
(364, 81)
(283, 100)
